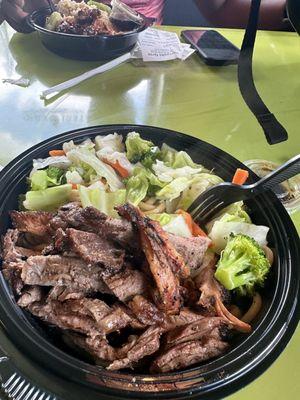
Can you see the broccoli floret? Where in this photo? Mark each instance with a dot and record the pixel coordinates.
(242, 265)
(136, 147)
(150, 157)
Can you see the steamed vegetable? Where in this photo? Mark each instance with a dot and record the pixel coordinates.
(177, 159)
(142, 183)
(173, 223)
(102, 170)
(52, 176)
(53, 21)
(48, 199)
(101, 6)
(240, 176)
(196, 186)
(102, 200)
(140, 150)
(173, 189)
(243, 265)
(114, 142)
(221, 232)
(58, 161)
(167, 174)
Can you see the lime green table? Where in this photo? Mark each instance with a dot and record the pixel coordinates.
(185, 96)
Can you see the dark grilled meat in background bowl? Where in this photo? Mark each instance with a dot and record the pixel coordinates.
(56, 369)
(87, 47)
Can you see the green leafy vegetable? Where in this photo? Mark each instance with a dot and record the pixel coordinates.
(142, 183)
(197, 185)
(173, 190)
(51, 176)
(150, 157)
(221, 231)
(103, 201)
(101, 6)
(163, 218)
(47, 199)
(137, 188)
(243, 265)
(53, 21)
(87, 160)
(137, 148)
(177, 159)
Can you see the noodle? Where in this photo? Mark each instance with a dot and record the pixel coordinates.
(269, 254)
(157, 210)
(236, 311)
(254, 308)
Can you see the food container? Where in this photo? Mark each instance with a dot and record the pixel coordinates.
(80, 47)
(288, 191)
(37, 355)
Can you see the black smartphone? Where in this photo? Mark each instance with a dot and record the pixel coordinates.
(212, 47)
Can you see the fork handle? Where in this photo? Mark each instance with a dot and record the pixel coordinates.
(279, 175)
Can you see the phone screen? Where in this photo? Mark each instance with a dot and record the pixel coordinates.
(211, 45)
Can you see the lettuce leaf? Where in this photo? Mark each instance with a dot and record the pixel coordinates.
(47, 199)
(102, 200)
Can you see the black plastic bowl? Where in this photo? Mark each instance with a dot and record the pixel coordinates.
(80, 47)
(249, 355)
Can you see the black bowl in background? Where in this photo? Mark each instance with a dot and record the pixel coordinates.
(86, 48)
(249, 356)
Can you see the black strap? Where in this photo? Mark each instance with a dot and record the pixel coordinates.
(274, 131)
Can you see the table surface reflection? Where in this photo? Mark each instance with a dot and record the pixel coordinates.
(185, 96)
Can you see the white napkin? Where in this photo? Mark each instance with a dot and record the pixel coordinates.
(153, 45)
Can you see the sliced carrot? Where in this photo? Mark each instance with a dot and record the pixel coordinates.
(118, 168)
(240, 176)
(197, 231)
(55, 153)
(74, 186)
(193, 227)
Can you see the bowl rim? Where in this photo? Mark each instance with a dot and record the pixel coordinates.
(45, 11)
(289, 306)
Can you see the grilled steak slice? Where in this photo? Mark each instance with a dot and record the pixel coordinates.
(94, 249)
(92, 317)
(63, 293)
(90, 219)
(164, 262)
(127, 283)
(32, 222)
(191, 249)
(97, 347)
(69, 272)
(148, 343)
(11, 251)
(212, 294)
(195, 331)
(145, 311)
(30, 295)
(185, 317)
(186, 354)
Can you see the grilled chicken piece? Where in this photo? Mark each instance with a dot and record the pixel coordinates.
(211, 297)
(148, 343)
(164, 261)
(186, 354)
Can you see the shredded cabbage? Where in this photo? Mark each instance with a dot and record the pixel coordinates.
(112, 141)
(167, 174)
(102, 170)
(102, 200)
